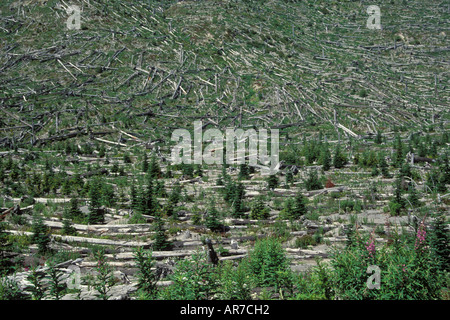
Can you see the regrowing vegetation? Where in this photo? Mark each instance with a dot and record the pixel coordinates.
(91, 206)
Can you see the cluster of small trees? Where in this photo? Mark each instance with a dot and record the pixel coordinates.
(319, 151)
(294, 208)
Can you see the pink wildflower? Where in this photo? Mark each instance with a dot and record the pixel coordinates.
(403, 267)
(420, 237)
(370, 246)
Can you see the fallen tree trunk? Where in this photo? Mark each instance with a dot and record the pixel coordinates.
(107, 242)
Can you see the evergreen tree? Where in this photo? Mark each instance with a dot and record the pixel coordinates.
(212, 218)
(311, 151)
(399, 156)
(436, 181)
(96, 213)
(46, 183)
(224, 178)
(66, 187)
(398, 192)
(289, 178)
(229, 191)
(75, 213)
(444, 167)
(375, 171)
(102, 151)
(175, 195)
(325, 157)
(126, 158)
(5, 247)
(244, 172)
(145, 163)
(440, 241)
(154, 168)
(422, 150)
(134, 197)
(356, 158)
(312, 182)
(68, 229)
(384, 167)
(272, 182)
(41, 234)
(187, 170)
(300, 208)
(378, 138)
(238, 196)
(149, 203)
(137, 206)
(198, 172)
(160, 190)
(168, 173)
(258, 209)
(413, 198)
(339, 159)
(115, 167)
(160, 237)
(137, 218)
(109, 197)
(288, 209)
(397, 203)
(68, 147)
(104, 279)
(169, 210)
(405, 170)
(441, 187)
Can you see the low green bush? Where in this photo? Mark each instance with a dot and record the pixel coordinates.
(408, 269)
(266, 261)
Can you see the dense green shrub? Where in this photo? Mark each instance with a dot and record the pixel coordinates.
(408, 269)
(304, 241)
(193, 279)
(315, 284)
(234, 282)
(266, 261)
(348, 205)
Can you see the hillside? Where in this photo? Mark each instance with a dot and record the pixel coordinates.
(87, 117)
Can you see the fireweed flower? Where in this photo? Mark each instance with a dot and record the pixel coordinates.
(403, 267)
(420, 237)
(370, 246)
